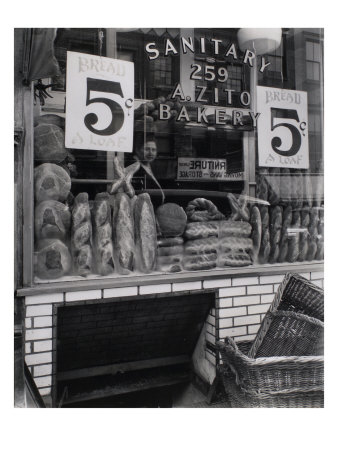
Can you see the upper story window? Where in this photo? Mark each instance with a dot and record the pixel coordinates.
(313, 59)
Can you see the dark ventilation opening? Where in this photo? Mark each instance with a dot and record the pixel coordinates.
(128, 353)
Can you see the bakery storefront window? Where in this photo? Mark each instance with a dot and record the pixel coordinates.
(221, 166)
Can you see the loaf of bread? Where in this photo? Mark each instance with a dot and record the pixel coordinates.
(171, 220)
(202, 210)
(123, 234)
(274, 253)
(145, 233)
(320, 250)
(201, 246)
(307, 189)
(52, 220)
(49, 143)
(297, 189)
(51, 182)
(265, 247)
(274, 186)
(52, 259)
(81, 235)
(276, 220)
(174, 250)
(221, 228)
(169, 242)
(239, 209)
(200, 262)
(103, 245)
(262, 185)
(321, 221)
(293, 247)
(313, 233)
(283, 244)
(303, 246)
(285, 186)
(256, 234)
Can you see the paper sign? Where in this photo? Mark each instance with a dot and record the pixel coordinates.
(282, 128)
(205, 169)
(99, 103)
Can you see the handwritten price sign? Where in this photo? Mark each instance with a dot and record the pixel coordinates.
(282, 128)
(100, 103)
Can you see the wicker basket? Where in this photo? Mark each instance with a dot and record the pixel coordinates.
(239, 398)
(297, 294)
(285, 333)
(288, 374)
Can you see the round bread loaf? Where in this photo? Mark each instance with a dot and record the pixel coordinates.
(49, 143)
(53, 259)
(171, 219)
(53, 119)
(52, 220)
(51, 182)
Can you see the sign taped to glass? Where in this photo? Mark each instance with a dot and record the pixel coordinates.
(100, 103)
(205, 169)
(282, 128)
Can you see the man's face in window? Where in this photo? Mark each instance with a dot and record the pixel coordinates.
(148, 151)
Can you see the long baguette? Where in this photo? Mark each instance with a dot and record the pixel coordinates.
(123, 234)
(145, 233)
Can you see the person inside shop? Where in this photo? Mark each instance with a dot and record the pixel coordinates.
(145, 151)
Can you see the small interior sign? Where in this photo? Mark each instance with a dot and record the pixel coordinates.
(100, 103)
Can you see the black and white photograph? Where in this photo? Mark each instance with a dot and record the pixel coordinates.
(169, 217)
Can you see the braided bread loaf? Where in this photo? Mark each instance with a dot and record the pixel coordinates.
(202, 210)
(81, 235)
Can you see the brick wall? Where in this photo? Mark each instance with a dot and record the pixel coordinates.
(241, 303)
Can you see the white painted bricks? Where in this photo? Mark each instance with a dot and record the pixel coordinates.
(209, 284)
(43, 381)
(45, 391)
(317, 275)
(44, 298)
(246, 320)
(269, 279)
(247, 300)
(43, 346)
(38, 358)
(225, 323)
(155, 289)
(258, 308)
(40, 371)
(40, 333)
(262, 289)
(239, 331)
(267, 298)
(244, 281)
(230, 292)
(42, 322)
(187, 286)
(225, 302)
(232, 312)
(94, 294)
(120, 292)
(41, 310)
